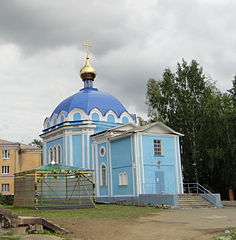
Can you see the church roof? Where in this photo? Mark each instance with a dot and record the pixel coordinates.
(155, 128)
(88, 99)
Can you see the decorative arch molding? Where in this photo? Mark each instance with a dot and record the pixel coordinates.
(61, 117)
(83, 115)
(109, 118)
(96, 111)
(46, 123)
(125, 116)
(53, 120)
(55, 154)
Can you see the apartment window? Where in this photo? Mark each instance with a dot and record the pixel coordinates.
(123, 179)
(5, 169)
(157, 147)
(5, 187)
(5, 154)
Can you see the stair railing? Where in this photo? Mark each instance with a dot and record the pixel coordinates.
(196, 188)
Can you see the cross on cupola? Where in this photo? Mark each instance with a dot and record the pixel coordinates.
(87, 46)
(88, 73)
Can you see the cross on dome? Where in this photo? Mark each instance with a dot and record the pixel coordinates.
(87, 46)
(88, 73)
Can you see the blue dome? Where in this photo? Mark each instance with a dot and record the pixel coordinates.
(88, 99)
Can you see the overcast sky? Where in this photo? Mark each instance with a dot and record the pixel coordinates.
(41, 51)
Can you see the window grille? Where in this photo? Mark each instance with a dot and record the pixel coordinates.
(157, 147)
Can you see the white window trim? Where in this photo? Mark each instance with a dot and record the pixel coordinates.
(4, 168)
(5, 187)
(7, 155)
(123, 179)
(49, 154)
(58, 155)
(100, 151)
(101, 178)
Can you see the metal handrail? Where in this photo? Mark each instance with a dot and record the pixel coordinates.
(199, 189)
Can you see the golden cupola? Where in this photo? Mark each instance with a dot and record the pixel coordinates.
(87, 72)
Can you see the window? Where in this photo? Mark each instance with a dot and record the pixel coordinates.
(123, 179)
(55, 154)
(157, 147)
(102, 151)
(111, 118)
(5, 169)
(95, 117)
(125, 120)
(58, 154)
(103, 175)
(5, 154)
(5, 187)
(77, 117)
(50, 155)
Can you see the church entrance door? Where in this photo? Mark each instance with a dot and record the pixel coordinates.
(159, 179)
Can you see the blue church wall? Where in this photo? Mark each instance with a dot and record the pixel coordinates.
(159, 171)
(122, 163)
(54, 143)
(102, 159)
(77, 150)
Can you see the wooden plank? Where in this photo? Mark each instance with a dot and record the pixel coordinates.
(52, 226)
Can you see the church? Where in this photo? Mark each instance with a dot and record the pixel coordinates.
(93, 130)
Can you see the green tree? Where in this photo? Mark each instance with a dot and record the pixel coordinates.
(178, 99)
(37, 143)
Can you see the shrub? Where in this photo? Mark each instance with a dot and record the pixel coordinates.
(6, 199)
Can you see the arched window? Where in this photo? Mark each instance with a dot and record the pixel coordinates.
(48, 124)
(54, 122)
(123, 179)
(110, 118)
(58, 154)
(76, 117)
(125, 120)
(103, 175)
(55, 154)
(50, 155)
(95, 117)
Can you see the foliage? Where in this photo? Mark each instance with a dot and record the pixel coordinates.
(228, 235)
(101, 211)
(189, 103)
(6, 199)
(37, 143)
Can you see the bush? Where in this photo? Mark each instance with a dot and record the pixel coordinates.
(6, 199)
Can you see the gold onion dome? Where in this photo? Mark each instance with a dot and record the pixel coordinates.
(87, 72)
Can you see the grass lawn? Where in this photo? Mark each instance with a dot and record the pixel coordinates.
(101, 211)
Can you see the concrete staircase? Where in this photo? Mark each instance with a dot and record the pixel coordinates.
(193, 201)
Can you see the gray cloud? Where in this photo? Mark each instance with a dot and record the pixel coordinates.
(41, 51)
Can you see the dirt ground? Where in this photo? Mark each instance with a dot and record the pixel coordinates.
(184, 224)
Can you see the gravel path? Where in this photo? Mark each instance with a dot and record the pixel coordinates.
(184, 224)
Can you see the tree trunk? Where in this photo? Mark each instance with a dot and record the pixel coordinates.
(231, 194)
